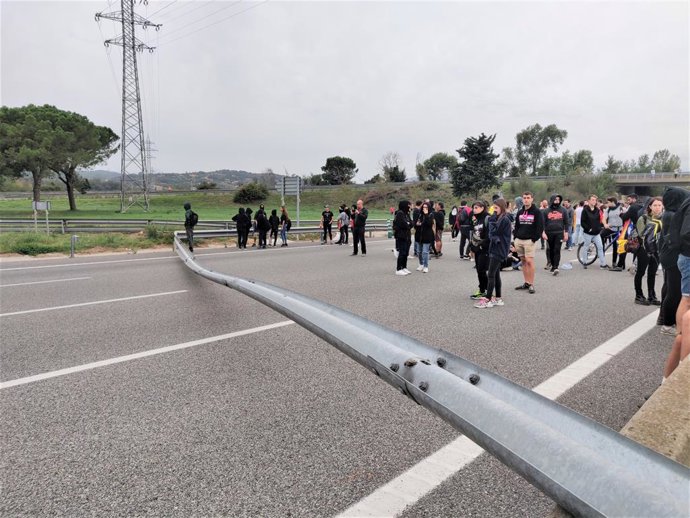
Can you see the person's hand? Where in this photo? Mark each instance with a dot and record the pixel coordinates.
(565, 236)
(543, 235)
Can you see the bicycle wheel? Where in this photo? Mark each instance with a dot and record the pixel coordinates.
(591, 253)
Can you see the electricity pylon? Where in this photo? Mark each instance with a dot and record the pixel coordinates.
(134, 170)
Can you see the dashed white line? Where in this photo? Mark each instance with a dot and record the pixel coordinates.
(44, 282)
(392, 498)
(54, 308)
(136, 356)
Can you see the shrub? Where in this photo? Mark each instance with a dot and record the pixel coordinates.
(251, 192)
(158, 235)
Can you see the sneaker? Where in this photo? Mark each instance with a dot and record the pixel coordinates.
(400, 272)
(440, 254)
(420, 268)
(547, 267)
(425, 270)
(524, 286)
(555, 272)
(498, 302)
(484, 303)
(408, 272)
(668, 330)
(396, 253)
(531, 289)
(639, 299)
(478, 295)
(604, 267)
(363, 254)
(654, 301)
(616, 269)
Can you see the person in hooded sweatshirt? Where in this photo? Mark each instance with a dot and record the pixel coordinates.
(632, 214)
(672, 199)
(262, 226)
(479, 245)
(529, 224)
(555, 231)
(499, 246)
(189, 225)
(402, 230)
(242, 223)
(274, 221)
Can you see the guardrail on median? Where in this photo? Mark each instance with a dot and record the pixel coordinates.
(583, 466)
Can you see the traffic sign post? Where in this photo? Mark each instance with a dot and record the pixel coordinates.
(290, 186)
(41, 205)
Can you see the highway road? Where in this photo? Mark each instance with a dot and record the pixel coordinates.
(130, 386)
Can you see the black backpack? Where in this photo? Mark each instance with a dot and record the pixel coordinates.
(650, 237)
(193, 219)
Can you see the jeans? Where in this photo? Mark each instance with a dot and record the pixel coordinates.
(403, 248)
(494, 278)
(608, 234)
(274, 236)
(344, 234)
(417, 248)
(283, 234)
(586, 240)
(424, 255)
(577, 235)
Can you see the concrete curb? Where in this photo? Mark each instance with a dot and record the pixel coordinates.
(663, 422)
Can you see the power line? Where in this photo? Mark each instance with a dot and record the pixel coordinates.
(217, 22)
(162, 8)
(167, 34)
(185, 13)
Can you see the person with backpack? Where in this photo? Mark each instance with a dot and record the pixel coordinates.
(274, 222)
(465, 227)
(649, 229)
(262, 226)
(191, 218)
(451, 222)
(479, 245)
(285, 224)
(440, 220)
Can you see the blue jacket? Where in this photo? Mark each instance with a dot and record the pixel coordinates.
(499, 237)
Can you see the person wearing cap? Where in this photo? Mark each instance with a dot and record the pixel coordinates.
(327, 225)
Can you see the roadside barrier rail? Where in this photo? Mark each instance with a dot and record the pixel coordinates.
(71, 225)
(585, 467)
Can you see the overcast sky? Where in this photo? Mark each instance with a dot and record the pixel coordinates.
(288, 84)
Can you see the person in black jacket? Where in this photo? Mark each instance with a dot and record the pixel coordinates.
(529, 226)
(243, 223)
(327, 225)
(463, 224)
(479, 245)
(424, 226)
(360, 216)
(440, 219)
(632, 213)
(189, 225)
(402, 230)
(673, 198)
(262, 226)
(555, 232)
(499, 247)
(274, 222)
(592, 225)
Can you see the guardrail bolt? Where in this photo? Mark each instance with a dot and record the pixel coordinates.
(394, 367)
(441, 362)
(423, 386)
(474, 379)
(410, 363)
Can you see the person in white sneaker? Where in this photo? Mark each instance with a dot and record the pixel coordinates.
(499, 247)
(425, 226)
(402, 230)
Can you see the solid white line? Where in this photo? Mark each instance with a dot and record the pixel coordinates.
(44, 282)
(392, 498)
(136, 356)
(91, 303)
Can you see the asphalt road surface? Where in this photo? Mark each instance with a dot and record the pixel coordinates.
(251, 415)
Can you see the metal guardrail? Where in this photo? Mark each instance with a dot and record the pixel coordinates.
(586, 468)
(66, 226)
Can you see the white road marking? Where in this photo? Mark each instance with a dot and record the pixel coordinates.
(44, 282)
(136, 356)
(392, 498)
(91, 303)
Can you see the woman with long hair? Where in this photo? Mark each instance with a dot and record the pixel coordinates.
(499, 247)
(285, 224)
(425, 226)
(648, 229)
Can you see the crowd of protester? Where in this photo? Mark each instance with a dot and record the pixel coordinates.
(504, 235)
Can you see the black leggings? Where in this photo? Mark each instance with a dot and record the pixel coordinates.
(403, 247)
(553, 250)
(481, 260)
(274, 236)
(327, 231)
(649, 265)
(494, 277)
(464, 241)
(670, 295)
(344, 232)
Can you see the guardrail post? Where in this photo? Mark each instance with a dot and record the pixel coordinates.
(72, 243)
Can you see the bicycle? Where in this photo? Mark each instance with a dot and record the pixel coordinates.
(607, 241)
